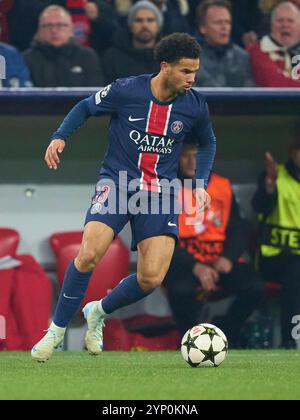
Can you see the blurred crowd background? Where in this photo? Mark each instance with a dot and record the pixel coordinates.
(74, 43)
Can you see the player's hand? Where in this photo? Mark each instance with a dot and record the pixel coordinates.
(51, 157)
(92, 10)
(207, 276)
(203, 200)
(223, 265)
(271, 167)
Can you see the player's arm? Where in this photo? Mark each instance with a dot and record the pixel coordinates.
(103, 102)
(206, 150)
(75, 119)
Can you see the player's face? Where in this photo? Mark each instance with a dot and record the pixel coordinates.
(217, 27)
(55, 28)
(145, 27)
(181, 75)
(187, 162)
(286, 26)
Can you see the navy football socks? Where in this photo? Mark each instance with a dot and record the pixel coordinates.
(71, 295)
(128, 291)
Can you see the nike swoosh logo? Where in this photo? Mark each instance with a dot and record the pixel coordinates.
(172, 224)
(131, 119)
(70, 297)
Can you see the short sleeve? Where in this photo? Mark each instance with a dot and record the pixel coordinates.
(106, 100)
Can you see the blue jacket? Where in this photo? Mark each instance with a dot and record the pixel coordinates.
(15, 70)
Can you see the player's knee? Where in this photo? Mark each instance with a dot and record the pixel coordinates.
(150, 279)
(87, 261)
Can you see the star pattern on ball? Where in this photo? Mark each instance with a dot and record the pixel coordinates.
(211, 332)
(190, 343)
(209, 355)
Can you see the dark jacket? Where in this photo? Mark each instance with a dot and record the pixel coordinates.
(67, 66)
(224, 66)
(123, 60)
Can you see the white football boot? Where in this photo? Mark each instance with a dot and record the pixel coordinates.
(53, 339)
(95, 321)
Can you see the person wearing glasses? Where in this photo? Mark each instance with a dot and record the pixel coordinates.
(55, 59)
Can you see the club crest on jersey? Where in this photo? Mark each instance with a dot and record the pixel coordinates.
(102, 94)
(177, 127)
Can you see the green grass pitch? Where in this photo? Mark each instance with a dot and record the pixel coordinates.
(145, 376)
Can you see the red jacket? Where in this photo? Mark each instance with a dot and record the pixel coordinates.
(271, 65)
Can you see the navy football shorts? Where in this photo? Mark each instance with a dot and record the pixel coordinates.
(149, 214)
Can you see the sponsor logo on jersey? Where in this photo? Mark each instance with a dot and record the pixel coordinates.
(152, 144)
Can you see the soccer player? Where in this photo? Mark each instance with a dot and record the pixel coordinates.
(150, 117)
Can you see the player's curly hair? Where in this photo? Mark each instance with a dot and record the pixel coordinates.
(173, 48)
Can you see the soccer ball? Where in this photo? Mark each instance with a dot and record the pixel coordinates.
(204, 345)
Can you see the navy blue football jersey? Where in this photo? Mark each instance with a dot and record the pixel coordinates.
(146, 135)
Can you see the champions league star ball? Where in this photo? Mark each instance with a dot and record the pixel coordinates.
(204, 345)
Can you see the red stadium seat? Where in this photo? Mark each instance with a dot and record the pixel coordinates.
(112, 268)
(60, 240)
(9, 241)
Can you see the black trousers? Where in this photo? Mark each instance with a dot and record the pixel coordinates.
(182, 290)
(285, 270)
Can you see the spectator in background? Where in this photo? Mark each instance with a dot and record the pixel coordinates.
(209, 257)
(95, 21)
(246, 20)
(16, 71)
(272, 57)
(175, 13)
(5, 6)
(277, 202)
(266, 8)
(222, 63)
(55, 60)
(132, 53)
